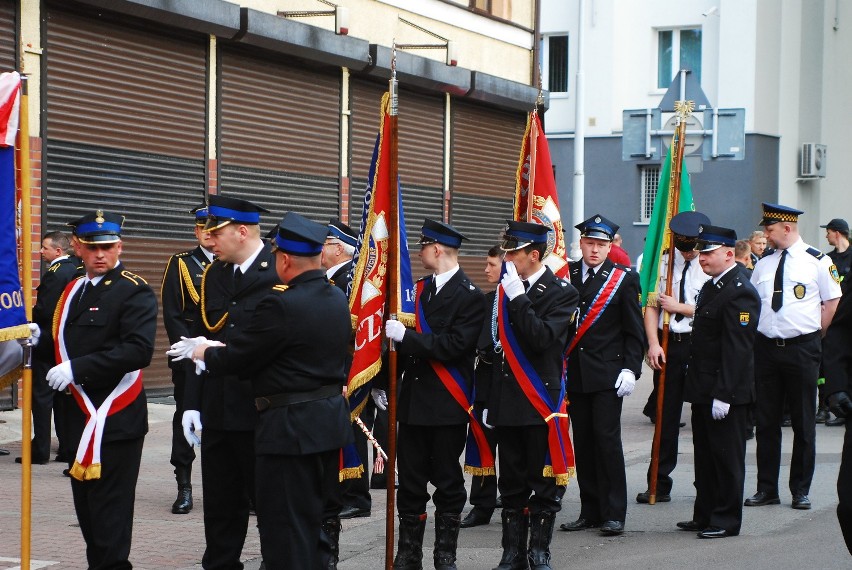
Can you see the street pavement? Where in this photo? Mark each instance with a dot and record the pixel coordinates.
(773, 537)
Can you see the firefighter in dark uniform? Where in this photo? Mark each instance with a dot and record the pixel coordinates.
(603, 364)
(720, 385)
(432, 423)
(799, 290)
(294, 349)
(687, 280)
(106, 324)
(61, 270)
(540, 309)
(231, 289)
(180, 295)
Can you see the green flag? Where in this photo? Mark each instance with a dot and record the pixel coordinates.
(657, 240)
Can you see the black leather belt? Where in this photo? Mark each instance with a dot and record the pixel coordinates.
(788, 341)
(277, 400)
(679, 337)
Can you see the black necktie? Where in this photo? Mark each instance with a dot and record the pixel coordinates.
(431, 290)
(589, 275)
(238, 278)
(682, 298)
(83, 291)
(778, 288)
(526, 285)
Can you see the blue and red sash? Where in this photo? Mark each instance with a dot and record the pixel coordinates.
(559, 462)
(599, 303)
(478, 459)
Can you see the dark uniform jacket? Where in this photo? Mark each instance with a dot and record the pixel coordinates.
(616, 341)
(180, 294)
(50, 288)
(341, 277)
(836, 355)
(488, 358)
(455, 317)
(110, 333)
(224, 402)
(721, 357)
(295, 345)
(542, 320)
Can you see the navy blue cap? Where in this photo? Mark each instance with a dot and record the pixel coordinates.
(714, 237)
(685, 227)
(339, 230)
(298, 235)
(774, 213)
(597, 227)
(222, 210)
(98, 227)
(518, 235)
(200, 212)
(439, 232)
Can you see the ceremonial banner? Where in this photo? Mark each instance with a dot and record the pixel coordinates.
(657, 239)
(13, 318)
(536, 197)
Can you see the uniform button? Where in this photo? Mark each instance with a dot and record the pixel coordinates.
(230, 326)
(233, 303)
(581, 349)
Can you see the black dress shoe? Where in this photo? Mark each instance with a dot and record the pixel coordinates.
(801, 502)
(66, 472)
(762, 498)
(579, 524)
(645, 498)
(477, 517)
(691, 526)
(4, 452)
(612, 528)
(835, 422)
(350, 512)
(822, 415)
(34, 461)
(714, 532)
(60, 458)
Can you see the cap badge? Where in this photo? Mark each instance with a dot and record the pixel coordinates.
(99, 217)
(700, 229)
(597, 219)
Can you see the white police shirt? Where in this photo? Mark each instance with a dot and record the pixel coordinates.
(808, 281)
(695, 279)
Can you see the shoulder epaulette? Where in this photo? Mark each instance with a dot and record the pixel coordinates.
(815, 252)
(424, 278)
(133, 277)
(280, 288)
(623, 267)
(53, 268)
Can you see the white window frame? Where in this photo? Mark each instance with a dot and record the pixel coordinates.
(675, 54)
(545, 64)
(649, 182)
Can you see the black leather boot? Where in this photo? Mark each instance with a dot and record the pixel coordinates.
(331, 529)
(541, 532)
(446, 540)
(516, 524)
(183, 503)
(409, 550)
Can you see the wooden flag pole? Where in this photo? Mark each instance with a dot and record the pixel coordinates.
(393, 302)
(683, 108)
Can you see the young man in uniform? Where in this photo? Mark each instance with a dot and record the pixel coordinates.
(435, 394)
(720, 385)
(533, 317)
(107, 321)
(799, 290)
(604, 360)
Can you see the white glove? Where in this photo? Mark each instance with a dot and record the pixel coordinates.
(199, 366)
(720, 409)
(35, 334)
(184, 347)
(394, 330)
(60, 376)
(485, 419)
(511, 282)
(191, 422)
(380, 397)
(625, 383)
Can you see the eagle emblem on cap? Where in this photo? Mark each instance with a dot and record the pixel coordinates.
(597, 219)
(701, 229)
(99, 216)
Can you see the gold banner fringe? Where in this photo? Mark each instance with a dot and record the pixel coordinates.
(16, 332)
(479, 471)
(351, 473)
(11, 376)
(89, 473)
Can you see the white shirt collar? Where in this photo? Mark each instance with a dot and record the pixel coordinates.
(533, 279)
(441, 280)
(244, 266)
(333, 269)
(725, 272)
(57, 260)
(207, 253)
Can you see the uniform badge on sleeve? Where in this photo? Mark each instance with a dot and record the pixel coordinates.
(834, 274)
(744, 317)
(799, 291)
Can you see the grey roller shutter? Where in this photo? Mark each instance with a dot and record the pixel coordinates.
(280, 136)
(8, 36)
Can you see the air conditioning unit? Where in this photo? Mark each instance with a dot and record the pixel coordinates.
(813, 160)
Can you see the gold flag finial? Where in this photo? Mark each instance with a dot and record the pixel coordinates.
(684, 108)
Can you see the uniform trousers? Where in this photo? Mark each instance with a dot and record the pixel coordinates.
(356, 492)
(786, 371)
(483, 488)
(720, 448)
(104, 506)
(227, 473)
(523, 453)
(182, 453)
(290, 502)
(676, 360)
(844, 489)
(596, 423)
(42, 406)
(430, 454)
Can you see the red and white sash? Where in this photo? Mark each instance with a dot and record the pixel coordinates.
(87, 461)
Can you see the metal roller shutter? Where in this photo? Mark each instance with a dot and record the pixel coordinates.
(8, 36)
(280, 136)
(421, 154)
(126, 131)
